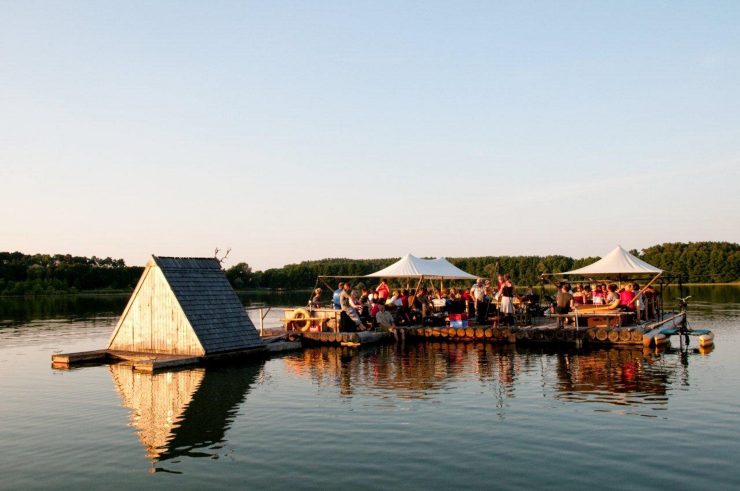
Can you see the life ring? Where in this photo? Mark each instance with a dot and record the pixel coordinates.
(300, 320)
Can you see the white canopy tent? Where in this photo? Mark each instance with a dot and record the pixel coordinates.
(621, 263)
(410, 266)
(617, 262)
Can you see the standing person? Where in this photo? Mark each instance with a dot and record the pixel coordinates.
(639, 303)
(507, 300)
(468, 301)
(650, 302)
(348, 307)
(420, 303)
(316, 299)
(563, 301)
(383, 291)
(478, 293)
(337, 294)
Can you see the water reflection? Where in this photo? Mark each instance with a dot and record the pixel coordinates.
(613, 376)
(186, 412)
(620, 377)
(413, 372)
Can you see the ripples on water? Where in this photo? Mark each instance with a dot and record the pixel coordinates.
(423, 415)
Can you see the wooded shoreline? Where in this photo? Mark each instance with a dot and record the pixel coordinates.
(712, 263)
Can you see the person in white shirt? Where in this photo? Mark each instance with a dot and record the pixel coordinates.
(478, 292)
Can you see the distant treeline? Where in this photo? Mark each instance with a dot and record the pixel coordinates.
(708, 262)
(22, 274)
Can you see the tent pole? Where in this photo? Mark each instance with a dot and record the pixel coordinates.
(645, 288)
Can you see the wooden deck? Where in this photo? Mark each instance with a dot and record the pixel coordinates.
(144, 362)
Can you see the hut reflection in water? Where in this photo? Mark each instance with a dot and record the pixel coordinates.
(186, 412)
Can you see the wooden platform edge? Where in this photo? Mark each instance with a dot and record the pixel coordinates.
(146, 362)
(283, 346)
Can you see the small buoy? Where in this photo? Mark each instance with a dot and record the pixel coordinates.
(661, 339)
(706, 339)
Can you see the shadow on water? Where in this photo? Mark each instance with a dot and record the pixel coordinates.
(184, 413)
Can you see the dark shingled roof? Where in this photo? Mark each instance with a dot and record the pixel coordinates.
(210, 304)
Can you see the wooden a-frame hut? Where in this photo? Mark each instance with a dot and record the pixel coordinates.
(184, 306)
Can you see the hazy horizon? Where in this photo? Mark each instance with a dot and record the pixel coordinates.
(291, 131)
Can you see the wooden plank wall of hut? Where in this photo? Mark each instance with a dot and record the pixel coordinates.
(163, 329)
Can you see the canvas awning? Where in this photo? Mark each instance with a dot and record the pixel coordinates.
(410, 266)
(619, 261)
(447, 270)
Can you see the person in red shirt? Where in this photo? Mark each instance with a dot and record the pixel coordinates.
(374, 309)
(626, 297)
(383, 291)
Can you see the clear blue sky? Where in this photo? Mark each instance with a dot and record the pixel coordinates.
(303, 130)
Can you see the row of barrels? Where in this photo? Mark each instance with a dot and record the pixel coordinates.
(331, 337)
(483, 333)
(549, 335)
(619, 335)
(602, 335)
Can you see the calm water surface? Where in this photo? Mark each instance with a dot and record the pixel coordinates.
(419, 416)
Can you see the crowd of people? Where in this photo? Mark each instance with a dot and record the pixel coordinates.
(629, 297)
(388, 309)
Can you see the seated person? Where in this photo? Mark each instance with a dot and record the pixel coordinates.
(587, 294)
(598, 296)
(626, 298)
(386, 323)
(348, 300)
(612, 296)
(394, 301)
(579, 297)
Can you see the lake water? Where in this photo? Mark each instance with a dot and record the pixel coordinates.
(419, 416)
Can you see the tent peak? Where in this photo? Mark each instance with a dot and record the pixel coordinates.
(410, 266)
(618, 261)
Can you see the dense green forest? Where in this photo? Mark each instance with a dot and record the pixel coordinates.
(21, 274)
(710, 262)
